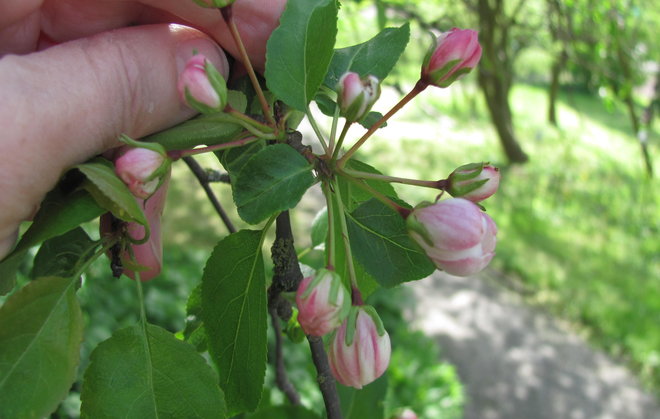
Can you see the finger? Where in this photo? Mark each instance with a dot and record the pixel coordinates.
(255, 19)
(70, 102)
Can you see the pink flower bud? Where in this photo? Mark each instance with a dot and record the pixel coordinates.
(360, 350)
(149, 255)
(457, 236)
(452, 55)
(323, 303)
(201, 86)
(356, 95)
(474, 181)
(141, 169)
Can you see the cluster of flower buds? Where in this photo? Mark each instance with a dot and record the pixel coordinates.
(356, 96)
(201, 86)
(474, 181)
(323, 302)
(452, 55)
(360, 350)
(142, 169)
(458, 237)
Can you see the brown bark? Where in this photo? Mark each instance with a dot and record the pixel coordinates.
(495, 74)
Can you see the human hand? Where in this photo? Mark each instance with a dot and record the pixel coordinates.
(86, 71)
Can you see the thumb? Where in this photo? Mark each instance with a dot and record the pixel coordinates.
(70, 102)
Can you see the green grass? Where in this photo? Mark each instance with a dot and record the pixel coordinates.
(579, 225)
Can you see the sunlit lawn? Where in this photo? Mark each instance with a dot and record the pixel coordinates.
(579, 224)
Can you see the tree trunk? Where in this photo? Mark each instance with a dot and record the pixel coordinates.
(496, 73)
(553, 91)
(497, 101)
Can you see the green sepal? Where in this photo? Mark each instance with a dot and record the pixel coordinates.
(217, 81)
(458, 74)
(293, 331)
(143, 144)
(199, 106)
(352, 322)
(434, 77)
(413, 225)
(352, 112)
(473, 170)
(464, 190)
(214, 4)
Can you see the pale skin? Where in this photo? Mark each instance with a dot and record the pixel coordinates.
(74, 74)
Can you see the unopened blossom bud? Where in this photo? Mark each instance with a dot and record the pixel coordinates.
(452, 55)
(474, 181)
(360, 350)
(141, 169)
(214, 4)
(356, 96)
(323, 302)
(455, 234)
(201, 86)
(149, 255)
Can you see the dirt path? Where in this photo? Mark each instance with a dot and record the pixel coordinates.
(518, 363)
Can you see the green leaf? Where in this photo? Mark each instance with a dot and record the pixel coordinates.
(366, 283)
(273, 180)
(110, 192)
(354, 195)
(285, 412)
(234, 159)
(62, 255)
(380, 241)
(320, 227)
(203, 130)
(194, 332)
(377, 56)
(365, 403)
(40, 337)
(60, 212)
(234, 315)
(145, 372)
(300, 49)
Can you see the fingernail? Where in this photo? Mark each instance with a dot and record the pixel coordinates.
(202, 45)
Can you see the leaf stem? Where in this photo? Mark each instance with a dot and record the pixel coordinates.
(404, 212)
(344, 234)
(228, 16)
(333, 131)
(417, 89)
(435, 184)
(330, 251)
(340, 142)
(316, 129)
(248, 120)
(106, 246)
(176, 154)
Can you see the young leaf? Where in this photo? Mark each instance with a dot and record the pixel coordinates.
(148, 373)
(320, 227)
(234, 315)
(110, 192)
(377, 56)
(273, 180)
(40, 336)
(60, 212)
(365, 403)
(380, 241)
(300, 49)
(60, 256)
(194, 332)
(234, 159)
